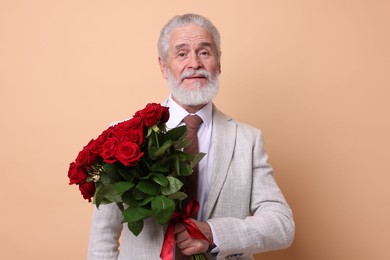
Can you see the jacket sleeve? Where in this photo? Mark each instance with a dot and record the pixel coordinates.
(105, 231)
(268, 223)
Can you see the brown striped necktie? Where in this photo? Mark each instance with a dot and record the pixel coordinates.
(191, 183)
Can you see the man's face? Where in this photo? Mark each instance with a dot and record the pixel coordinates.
(192, 66)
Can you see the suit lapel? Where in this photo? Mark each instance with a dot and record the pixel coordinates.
(223, 139)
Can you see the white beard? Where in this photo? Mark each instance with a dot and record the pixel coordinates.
(197, 96)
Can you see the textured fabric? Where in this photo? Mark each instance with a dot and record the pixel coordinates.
(191, 185)
(245, 206)
(192, 123)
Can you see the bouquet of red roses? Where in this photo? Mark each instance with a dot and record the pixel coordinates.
(138, 164)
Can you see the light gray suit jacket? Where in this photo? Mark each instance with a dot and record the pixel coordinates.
(245, 206)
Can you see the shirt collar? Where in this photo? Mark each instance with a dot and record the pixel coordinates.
(177, 113)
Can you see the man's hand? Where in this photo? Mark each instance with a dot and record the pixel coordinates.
(191, 246)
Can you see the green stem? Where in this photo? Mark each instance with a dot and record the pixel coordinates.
(198, 257)
(156, 137)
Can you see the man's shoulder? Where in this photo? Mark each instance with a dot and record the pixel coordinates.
(241, 126)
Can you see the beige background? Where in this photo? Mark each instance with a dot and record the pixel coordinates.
(313, 75)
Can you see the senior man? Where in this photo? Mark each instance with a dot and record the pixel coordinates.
(242, 210)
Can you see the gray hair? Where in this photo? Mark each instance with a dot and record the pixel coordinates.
(183, 20)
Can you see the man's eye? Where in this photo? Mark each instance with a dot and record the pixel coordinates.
(204, 53)
(181, 54)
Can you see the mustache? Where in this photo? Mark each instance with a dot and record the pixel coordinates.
(192, 73)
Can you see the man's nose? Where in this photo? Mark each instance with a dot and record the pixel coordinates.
(194, 61)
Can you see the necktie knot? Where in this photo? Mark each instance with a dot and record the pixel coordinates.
(193, 121)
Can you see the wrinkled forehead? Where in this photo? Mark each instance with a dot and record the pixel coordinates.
(190, 36)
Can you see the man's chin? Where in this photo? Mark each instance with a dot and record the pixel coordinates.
(194, 94)
(193, 99)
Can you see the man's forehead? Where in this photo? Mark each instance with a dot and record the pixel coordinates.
(190, 34)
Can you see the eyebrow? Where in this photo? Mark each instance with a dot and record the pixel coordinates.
(202, 44)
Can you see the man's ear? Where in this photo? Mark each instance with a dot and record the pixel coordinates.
(163, 67)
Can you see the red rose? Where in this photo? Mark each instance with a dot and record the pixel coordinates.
(87, 156)
(133, 136)
(87, 190)
(128, 153)
(130, 130)
(96, 146)
(164, 114)
(152, 114)
(109, 149)
(76, 173)
(134, 123)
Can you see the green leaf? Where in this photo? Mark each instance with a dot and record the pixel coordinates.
(138, 195)
(173, 187)
(110, 169)
(176, 164)
(121, 187)
(183, 156)
(106, 194)
(128, 174)
(128, 198)
(178, 196)
(197, 158)
(99, 196)
(163, 209)
(146, 201)
(152, 147)
(136, 227)
(157, 167)
(181, 144)
(160, 179)
(132, 214)
(163, 148)
(110, 194)
(185, 169)
(177, 133)
(104, 179)
(149, 187)
(146, 176)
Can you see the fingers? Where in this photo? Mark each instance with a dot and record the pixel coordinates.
(188, 245)
(179, 228)
(193, 246)
(182, 237)
(204, 227)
